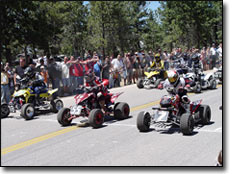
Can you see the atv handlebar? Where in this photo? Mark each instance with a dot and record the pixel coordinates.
(88, 89)
(162, 109)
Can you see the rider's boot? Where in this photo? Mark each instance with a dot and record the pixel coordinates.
(37, 99)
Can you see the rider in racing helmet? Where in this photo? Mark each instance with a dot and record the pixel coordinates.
(37, 81)
(185, 58)
(196, 61)
(100, 89)
(90, 78)
(175, 85)
(29, 72)
(158, 64)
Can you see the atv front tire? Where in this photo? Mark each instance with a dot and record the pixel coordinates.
(121, 111)
(186, 124)
(139, 83)
(205, 114)
(96, 118)
(143, 121)
(56, 105)
(63, 116)
(28, 111)
(5, 111)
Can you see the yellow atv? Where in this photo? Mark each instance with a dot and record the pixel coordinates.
(25, 100)
(152, 78)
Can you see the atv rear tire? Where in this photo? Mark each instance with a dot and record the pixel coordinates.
(5, 111)
(139, 83)
(96, 118)
(121, 111)
(197, 87)
(63, 115)
(205, 114)
(56, 105)
(28, 111)
(143, 121)
(213, 84)
(186, 124)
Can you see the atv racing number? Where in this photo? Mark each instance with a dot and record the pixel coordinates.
(76, 110)
(161, 116)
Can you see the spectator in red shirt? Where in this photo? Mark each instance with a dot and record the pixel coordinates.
(76, 73)
(90, 62)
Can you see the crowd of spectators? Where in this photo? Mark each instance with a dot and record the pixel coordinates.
(121, 69)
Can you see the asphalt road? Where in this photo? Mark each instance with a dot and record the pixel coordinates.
(43, 142)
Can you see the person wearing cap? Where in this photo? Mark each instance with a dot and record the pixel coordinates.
(44, 74)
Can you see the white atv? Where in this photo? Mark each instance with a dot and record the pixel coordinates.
(218, 74)
(202, 81)
(208, 81)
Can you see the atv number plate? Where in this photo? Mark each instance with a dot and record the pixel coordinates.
(162, 116)
(76, 110)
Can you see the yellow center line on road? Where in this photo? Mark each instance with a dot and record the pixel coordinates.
(66, 130)
(36, 140)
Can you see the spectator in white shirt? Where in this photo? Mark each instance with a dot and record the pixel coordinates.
(65, 74)
(117, 65)
(219, 51)
(213, 55)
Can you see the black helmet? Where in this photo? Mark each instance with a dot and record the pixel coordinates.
(166, 101)
(196, 56)
(185, 56)
(29, 72)
(89, 76)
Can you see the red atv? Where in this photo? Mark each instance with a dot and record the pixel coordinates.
(87, 105)
(172, 111)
